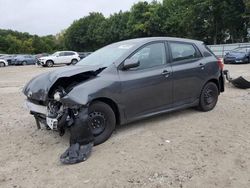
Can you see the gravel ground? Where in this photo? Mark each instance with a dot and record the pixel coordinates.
(187, 148)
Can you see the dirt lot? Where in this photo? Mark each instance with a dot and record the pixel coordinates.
(182, 149)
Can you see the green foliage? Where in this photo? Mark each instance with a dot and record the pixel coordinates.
(86, 33)
(212, 21)
(13, 42)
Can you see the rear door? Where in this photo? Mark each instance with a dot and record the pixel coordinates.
(61, 58)
(69, 56)
(148, 88)
(188, 72)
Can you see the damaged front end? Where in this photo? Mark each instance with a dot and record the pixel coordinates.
(52, 101)
(48, 97)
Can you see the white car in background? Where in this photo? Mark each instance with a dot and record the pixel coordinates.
(60, 57)
(3, 63)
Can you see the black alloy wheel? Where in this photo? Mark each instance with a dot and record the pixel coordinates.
(208, 97)
(102, 121)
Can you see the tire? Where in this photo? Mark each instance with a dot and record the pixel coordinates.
(74, 61)
(49, 63)
(2, 64)
(209, 97)
(102, 121)
(24, 63)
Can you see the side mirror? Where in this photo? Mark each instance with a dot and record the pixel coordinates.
(130, 63)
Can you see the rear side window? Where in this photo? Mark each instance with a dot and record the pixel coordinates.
(183, 51)
(69, 53)
(209, 52)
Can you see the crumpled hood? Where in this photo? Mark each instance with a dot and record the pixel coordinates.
(38, 88)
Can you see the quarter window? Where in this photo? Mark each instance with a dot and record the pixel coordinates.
(151, 55)
(183, 51)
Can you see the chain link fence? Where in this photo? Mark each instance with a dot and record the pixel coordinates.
(221, 49)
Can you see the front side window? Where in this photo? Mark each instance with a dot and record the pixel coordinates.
(61, 54)
(151, 55)
(183, 51)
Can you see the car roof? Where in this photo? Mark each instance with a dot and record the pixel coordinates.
(66, 51)
(152, 39)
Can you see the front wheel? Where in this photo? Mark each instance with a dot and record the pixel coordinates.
(209, 97)
(49, 63)
(102, 121)
(24, 63)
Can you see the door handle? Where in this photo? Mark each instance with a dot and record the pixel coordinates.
(165, 73)
(202, 66)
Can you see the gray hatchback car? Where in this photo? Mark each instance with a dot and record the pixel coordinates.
(127, 81)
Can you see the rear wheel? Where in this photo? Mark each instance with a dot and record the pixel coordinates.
(74, 61)
(24, 63)
(209, 97)
(2, 64)
(49, 63)
(102, 121)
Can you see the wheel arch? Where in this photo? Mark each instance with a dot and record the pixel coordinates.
(112, 104)
(50, 60)
(4, 64)
(216, 81)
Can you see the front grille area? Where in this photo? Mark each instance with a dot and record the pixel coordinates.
(37, 102)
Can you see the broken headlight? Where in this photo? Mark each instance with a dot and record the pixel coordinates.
(58, 95)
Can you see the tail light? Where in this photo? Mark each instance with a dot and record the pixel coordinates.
(221, 63)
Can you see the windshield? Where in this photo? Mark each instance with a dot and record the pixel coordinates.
(107, 55)
(241, 50)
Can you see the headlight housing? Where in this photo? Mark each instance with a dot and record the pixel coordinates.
(57, 96)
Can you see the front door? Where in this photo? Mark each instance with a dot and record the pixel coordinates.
(147, 88)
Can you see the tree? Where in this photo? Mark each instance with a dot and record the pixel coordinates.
(86, 33)
(115, 27)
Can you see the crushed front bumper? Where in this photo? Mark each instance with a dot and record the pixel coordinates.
(35, 108)
(37, 111)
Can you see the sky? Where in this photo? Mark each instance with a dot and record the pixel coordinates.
(44, 17)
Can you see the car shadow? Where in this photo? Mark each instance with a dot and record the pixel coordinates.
(154, 120)
(143, 123)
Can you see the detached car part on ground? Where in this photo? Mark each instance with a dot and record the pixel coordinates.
(239, 82)
(121, 83)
